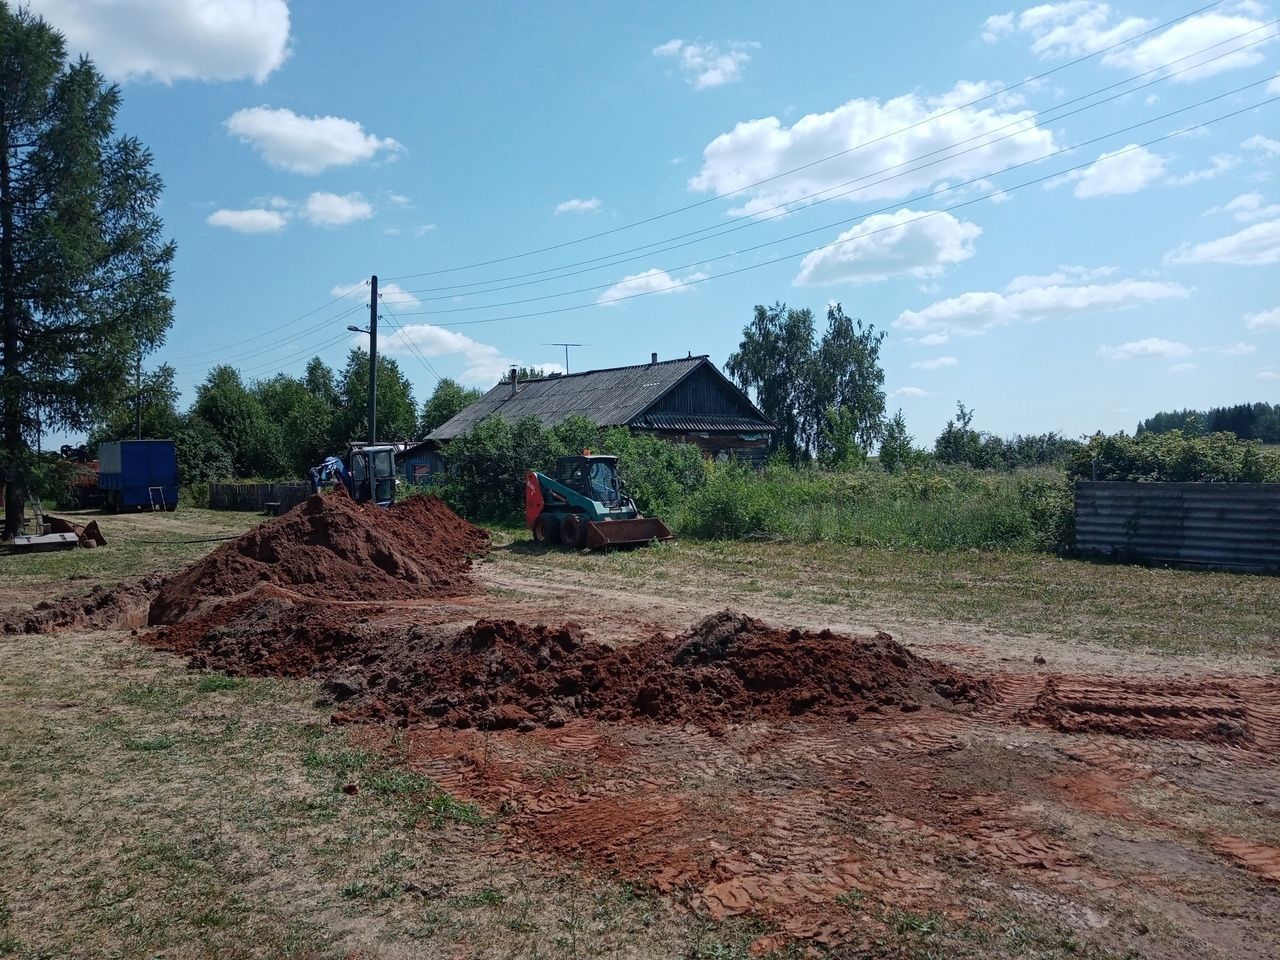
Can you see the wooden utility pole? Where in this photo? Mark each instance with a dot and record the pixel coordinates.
(373, 359)
(137, 394)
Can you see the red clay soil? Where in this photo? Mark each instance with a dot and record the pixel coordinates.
(268, 631)
(117, 607)
(330, 547)
(1208, 711)
(729, 668)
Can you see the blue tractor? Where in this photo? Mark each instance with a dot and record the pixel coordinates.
(368, 473)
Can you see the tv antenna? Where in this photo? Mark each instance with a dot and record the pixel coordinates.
(566, 350)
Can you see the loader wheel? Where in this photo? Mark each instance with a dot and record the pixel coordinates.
(573, 532)
(545, 530)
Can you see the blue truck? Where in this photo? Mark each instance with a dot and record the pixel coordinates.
(138, 475)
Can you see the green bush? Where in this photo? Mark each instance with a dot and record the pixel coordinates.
(734, 504)
(1175, 456)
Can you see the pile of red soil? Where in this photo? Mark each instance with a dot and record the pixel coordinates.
(268, 631)
(728, 668)
(330, 547)
(117, 607)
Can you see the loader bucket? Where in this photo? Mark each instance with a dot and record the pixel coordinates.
(626, 533)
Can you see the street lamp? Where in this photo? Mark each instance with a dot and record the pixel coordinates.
(372, 332)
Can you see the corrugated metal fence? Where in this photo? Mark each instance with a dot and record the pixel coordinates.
(254, 496)
(1228, 526)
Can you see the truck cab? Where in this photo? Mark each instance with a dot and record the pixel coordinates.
(373, 475)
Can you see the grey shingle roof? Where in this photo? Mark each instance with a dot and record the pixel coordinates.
(613, 397)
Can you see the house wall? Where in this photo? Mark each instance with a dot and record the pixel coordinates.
(421, 468)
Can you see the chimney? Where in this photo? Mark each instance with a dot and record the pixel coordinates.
(514, 371)
(653, 358)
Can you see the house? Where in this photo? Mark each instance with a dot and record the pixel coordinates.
(687, 400)
(420, 463)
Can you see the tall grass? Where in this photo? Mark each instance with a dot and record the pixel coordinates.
(934, 509)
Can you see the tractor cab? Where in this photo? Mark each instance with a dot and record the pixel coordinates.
(593, 476)
(373, 475)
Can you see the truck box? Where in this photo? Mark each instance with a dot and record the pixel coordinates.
(138, 474)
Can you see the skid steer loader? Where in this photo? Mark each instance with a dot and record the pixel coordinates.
(584, 505)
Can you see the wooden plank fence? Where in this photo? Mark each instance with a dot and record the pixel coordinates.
(1225, 526)
(255, 496)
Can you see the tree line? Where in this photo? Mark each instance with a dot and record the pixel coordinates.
(1248, 421)
(279, 426)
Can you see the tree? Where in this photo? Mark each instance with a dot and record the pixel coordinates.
(397, 411)
(242, 426)
(200, 452)
(84, 270)
(305, 420)
(447, 400)
(774, 361)
(897, 447)
(158, 399)
(847, 377)
(831, 393)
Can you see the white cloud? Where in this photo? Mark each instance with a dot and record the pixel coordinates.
(484, 364)
(978, 311)
(706, 65)
(937, 363)
(331, 210)
(1266, 375)
(423, 229)
(1182, 368)
(1064, 274)
(1122, 171)
(1258, 142)
(650, 281)
(997, 26)
(306, 144)
(907, 243)
(1145, 348)
(1263, 320)
(909, 392)
(1247, 208)
(1274, 86)
(248, 221)
(878, 136)
(1255, 246)
(578, 206)
(397, 199)
(1238, 349)
(390, 294)
(1075, 28)
(168, 40)
(1219, 164)
(932, 339)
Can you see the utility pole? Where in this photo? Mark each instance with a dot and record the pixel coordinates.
(373, 359)
(137, 394)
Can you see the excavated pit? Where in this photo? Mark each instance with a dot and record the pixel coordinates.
(118, 607)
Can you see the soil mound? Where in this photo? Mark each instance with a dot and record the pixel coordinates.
(268, 631)
(728, 668)
(330, 547)
(118, 607)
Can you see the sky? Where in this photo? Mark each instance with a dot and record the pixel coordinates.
(1065, 216)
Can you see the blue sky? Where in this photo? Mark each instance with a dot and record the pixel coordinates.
(307, 146)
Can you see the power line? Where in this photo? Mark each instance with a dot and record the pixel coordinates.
(265, 333)
(413, 347)
(262, 351)
(813, 163)
(829, 246)
(749, 220)
(862, 215)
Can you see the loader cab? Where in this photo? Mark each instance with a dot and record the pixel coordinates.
(373, 475)
(595, 477)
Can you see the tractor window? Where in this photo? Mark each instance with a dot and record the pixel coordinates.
(604, 483)
(359, 469)
(382, 465)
